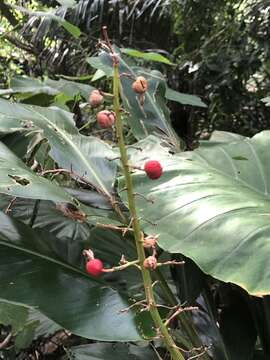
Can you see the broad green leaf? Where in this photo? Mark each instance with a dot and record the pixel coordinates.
(111, 352)
(35, 271)
(49, 216)
(27, 85)
(97, 63)
(152, 147)
(221, 137)
(86, 156)
(153, 116)
(72, 29)
(149, 56)
(225, 137)
(62, 220)
(44, 325)
(19, 142)
(215, 210)
(184, 99)
(70, 88)
(17, 179)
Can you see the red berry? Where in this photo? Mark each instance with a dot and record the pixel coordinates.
(95, 98)
(105, 119)
(94, 267)
(153, 169)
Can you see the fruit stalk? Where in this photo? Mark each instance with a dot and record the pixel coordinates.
(147, 281)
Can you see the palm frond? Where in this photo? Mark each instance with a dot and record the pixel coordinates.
(128, 21)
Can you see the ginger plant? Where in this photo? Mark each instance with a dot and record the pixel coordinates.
(144, 262)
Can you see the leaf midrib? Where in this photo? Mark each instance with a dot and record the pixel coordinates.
(67, 138)
(152, 102)
(45, 257)
(206, 163)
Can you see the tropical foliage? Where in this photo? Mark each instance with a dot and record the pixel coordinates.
(64, 188)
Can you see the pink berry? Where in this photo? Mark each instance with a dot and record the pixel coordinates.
(150, 263)
(94, 267)
(95, 98)
(105, 119)
(153, 169)
(140, 85)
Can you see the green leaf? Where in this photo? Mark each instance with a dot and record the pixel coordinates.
(214, 210)
(153, 116)
(35, 271)
(58, 219)
(44, 325)
(31, 86)
(27, 85)
(72, 29)
(18, 180)
(49, 216)
(86, 156)
(149, 56)
(26, 323)
(225, 137)
(184, 99)
(18, 142)
(13, 315)
(112, 352)
(26, 335)
(70, 88)
(220, 137)
(97, 63)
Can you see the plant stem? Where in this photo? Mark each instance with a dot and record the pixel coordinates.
(185, 318)
(147, 281)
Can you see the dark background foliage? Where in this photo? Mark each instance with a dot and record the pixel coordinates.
(220, 48)
(220, 51)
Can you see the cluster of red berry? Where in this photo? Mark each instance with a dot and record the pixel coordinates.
(106, 119)
(95, 268)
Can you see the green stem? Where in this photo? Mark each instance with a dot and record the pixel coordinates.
(147, 281)
(185, 317)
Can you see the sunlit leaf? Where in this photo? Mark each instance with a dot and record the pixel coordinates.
(36, 271)
(86, 156)
(184, 99)
(149, 56)
(214, 209)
